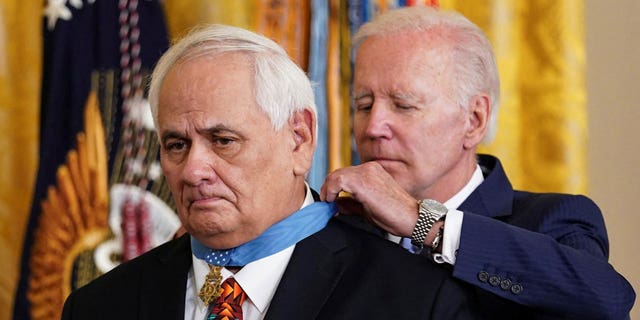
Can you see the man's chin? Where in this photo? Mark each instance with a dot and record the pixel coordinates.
(217, 240)
(207, 225)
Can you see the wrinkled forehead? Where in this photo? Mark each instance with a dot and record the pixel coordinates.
(204, 84)
(396, 58)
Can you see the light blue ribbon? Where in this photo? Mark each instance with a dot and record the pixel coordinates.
(278, 237)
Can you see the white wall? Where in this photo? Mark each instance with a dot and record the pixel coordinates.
(613, 86)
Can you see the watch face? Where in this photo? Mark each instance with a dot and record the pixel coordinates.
(435, 207)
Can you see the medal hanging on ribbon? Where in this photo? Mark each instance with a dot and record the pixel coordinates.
(210, 290)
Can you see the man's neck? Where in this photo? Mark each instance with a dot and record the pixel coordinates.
(453, 182)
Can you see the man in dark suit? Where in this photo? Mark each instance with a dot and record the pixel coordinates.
(425, 92)
(237, 128)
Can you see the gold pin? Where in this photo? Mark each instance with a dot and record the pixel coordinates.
(210, 290)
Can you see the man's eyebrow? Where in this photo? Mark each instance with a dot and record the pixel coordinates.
(209, 131)
(402, 96)
(393, 95)
(360, 95)
(170, 135)
(219, 128)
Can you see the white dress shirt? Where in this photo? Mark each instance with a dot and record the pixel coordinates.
(453, 222)
(259, 279)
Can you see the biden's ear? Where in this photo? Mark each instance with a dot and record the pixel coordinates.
(479, 111)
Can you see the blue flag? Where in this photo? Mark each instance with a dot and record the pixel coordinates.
(108, 48)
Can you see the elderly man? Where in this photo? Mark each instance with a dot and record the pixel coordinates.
(236, 123)
(425, 93)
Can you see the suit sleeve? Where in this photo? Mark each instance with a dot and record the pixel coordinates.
(555, 260)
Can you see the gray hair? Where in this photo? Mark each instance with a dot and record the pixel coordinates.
(281, 87)
(475, 68)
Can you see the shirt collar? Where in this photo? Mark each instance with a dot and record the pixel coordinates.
(476, 179)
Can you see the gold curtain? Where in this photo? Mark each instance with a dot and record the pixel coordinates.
(183, 15)
(20, 68)
(542, 123)
(286, 22)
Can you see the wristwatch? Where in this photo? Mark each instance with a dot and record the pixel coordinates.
(429, 211)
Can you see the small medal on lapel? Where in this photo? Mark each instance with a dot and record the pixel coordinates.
(210, 290)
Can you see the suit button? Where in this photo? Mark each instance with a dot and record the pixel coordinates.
(517, 288)
(505, 284)
(483, 276)
(494, 280)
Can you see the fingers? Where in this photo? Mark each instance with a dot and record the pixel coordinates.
(374, 194)
(323, 191)
(333, 185)
(354, 180)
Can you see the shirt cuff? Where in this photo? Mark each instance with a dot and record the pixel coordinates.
(450, 238)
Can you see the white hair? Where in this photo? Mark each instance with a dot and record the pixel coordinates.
(281, 87)
(475, 69)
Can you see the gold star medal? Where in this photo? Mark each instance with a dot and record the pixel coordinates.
(210, 290)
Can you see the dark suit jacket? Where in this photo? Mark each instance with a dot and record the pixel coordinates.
(337, 273)
(533, 255)
(551, 253)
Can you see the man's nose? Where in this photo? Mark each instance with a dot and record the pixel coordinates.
(378, 123)
(200, 165)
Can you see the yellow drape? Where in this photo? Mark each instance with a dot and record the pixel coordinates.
(338, 77)
(542, 122)
(20, 65)
(182, 15)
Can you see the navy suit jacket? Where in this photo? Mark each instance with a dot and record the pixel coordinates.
(339, 272)
(544, 251)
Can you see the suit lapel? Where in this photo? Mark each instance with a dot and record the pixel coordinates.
(163, 285)
(315, 268)
(494, 196)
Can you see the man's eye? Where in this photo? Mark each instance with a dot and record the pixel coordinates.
(364, 107)
(222, 141)
(403, 106)
(175, 146)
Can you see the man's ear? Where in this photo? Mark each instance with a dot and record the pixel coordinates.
(479, 111)
(303, 125)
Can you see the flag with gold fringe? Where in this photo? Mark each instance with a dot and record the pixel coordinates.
(99, 198)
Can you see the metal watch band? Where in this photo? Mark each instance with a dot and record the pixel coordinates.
(426, 219)
(429, 211)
